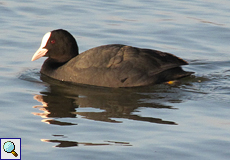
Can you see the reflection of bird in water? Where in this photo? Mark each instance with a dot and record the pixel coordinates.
(100, 104)
(55, 107)
(62, 143)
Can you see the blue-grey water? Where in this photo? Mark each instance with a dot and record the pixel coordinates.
(57, 121)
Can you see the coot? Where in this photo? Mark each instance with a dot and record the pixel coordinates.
(113, 65)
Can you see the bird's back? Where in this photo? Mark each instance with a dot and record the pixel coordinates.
(121, 66)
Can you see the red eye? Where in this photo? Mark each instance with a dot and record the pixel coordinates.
(52, 41)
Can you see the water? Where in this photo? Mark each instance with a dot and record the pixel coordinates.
(59, 121)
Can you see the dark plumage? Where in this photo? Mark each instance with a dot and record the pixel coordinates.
(112, 65)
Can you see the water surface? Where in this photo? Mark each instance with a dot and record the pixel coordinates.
(62, 121)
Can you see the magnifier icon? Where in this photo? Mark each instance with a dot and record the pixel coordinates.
(9, 147)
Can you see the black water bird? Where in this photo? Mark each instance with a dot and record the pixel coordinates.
(113, 65)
